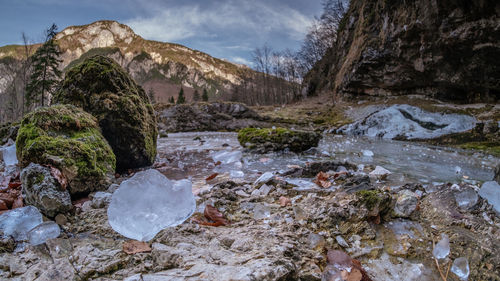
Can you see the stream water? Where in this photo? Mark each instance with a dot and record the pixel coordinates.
(189, 155)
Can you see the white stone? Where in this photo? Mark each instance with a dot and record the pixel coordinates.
(442, 248)
(490, 191)
(18, 222)
(43, 232)
(147, 203)
(460, 268)
(101, 199)
(9, 155)
(380, 172)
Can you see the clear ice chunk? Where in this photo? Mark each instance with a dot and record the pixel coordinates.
(264, 178)
(147, 203)
(442, 248)
(490, 191)
(227, 157)
(368, 153)
(9, 155)
(466, 199)
(261, 211)
(460, 268)
(43, 232)
(18, 222)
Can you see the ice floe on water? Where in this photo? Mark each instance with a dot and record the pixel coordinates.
(410, 122)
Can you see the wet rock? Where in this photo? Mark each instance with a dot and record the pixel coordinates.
(44, 191)
(61, 219)
(7, 243)
(357, 183)
(101, 199)
(406, 203)
(497, 174)
(8, 131)
(43, 232)
(214, 116)
(279, 139)
(490, 191)
(376, 202)
(149, 202)
(68, 139)
(380, 173)
(313, 168)
(123, 110)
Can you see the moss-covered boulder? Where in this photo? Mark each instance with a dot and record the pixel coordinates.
(126, 117)
(69, 139)
(266, 140)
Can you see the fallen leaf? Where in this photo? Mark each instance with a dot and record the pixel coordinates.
(340, 261)
(213, 217)
(56, 173)
(322, 180)
(14, 184)
(133, 247)
(211, 177)
(285, 201)
(218, 163)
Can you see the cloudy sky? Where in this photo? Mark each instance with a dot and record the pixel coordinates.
(228, 29)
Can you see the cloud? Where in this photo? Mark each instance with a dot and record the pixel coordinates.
(221, 19)
(241, 60)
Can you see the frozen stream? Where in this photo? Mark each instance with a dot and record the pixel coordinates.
(189, 155)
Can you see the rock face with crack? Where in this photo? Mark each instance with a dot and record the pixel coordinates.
(68, 139)
(123, 110)
(442, 49)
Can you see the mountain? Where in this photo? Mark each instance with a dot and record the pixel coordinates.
(445, 49)
(158, 66)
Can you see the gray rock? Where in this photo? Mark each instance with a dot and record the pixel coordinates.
(43, 191)
(101, 199)
(406, 203)
(497, 174)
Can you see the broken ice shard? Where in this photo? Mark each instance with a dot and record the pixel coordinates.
(147, 203)
(466, 199)
(442, 248)
(9, 155)
(460, 268)
(18, 222)
(43, 232)
(490, 191)
(227, 157)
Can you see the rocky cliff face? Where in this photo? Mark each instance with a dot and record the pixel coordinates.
(446, 49)
(161, 67)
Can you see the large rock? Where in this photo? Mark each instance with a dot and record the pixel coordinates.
(68, 139)
(442, 49)
(214, 116)
(44, 191)
(266, 140)
(122, 108)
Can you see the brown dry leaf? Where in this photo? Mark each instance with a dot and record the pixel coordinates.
(211, 177)
(214, 215)
(56, 173)
(285, 201)
(133, 247)
(14, 184)
(339, 259)
(218, 163)
(322, 180)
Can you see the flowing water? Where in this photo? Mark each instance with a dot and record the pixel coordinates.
(189, 155)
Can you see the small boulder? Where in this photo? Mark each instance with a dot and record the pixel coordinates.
(67, 138)
(406, 203)
(43, 191)
(278, 139)
(124, 112)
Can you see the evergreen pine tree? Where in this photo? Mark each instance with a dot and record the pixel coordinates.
(45, 72)
(181, 99)
(204, 97)
(196, 95)
(171, 100)
(151, 95)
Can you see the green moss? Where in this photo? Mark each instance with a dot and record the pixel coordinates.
(375, 200)
(491, 147)
(67, 138)
(277, 139)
